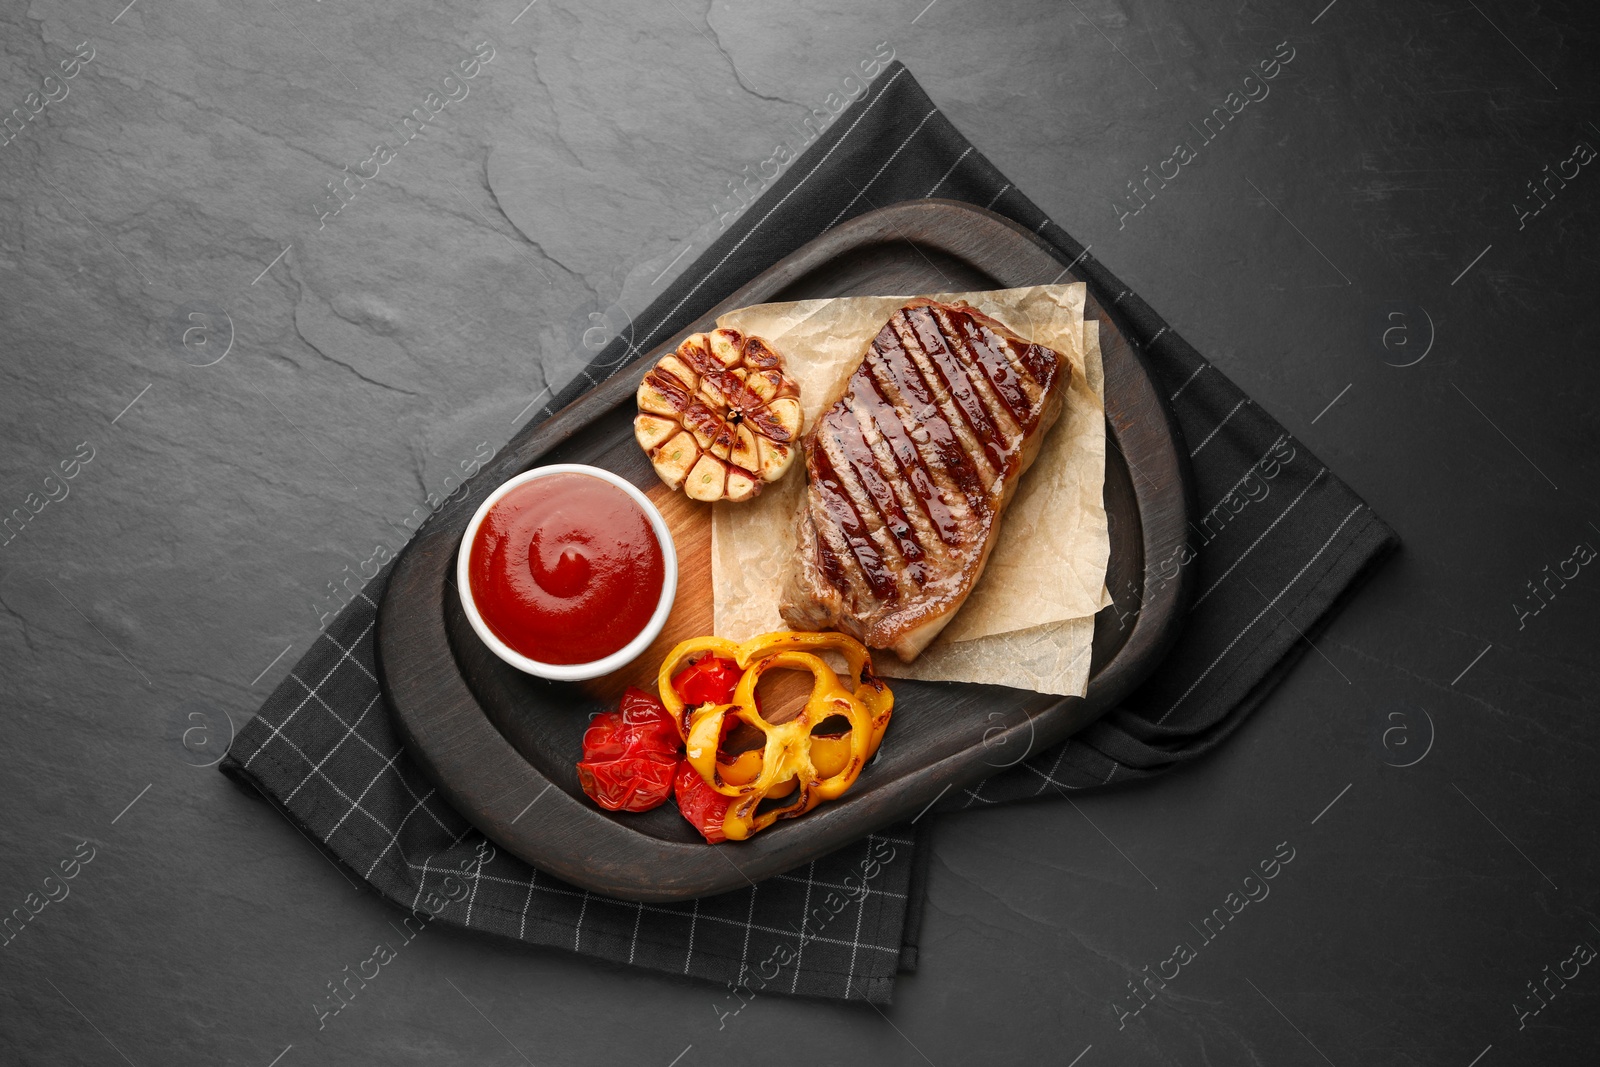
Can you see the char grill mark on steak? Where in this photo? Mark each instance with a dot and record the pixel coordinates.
(1007, 419)
(870, 401)
(917, 529)
(942, 367)
(889, 563)
(858, 542)
(911, 469)
(947, 414)
(851, 454)
(892, 366)
(999, 368)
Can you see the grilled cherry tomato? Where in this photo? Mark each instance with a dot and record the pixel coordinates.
(710, 680)
(631, 755)
(702, 805)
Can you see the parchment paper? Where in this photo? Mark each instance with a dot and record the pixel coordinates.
(1028, 623)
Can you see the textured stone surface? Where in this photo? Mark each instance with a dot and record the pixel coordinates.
(217, 514)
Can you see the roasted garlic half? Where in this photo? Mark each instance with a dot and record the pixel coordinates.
(718, 417)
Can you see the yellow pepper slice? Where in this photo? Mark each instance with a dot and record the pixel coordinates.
(792, 762)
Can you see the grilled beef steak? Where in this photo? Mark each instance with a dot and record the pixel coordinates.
(911, 470)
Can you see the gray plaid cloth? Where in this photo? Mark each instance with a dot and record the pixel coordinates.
(324, 749)
(1277, 541)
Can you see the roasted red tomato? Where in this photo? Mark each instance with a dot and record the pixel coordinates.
(630, 755)
(710, 680)
(702, 805)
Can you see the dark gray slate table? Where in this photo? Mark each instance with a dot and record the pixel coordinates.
(1393, 252)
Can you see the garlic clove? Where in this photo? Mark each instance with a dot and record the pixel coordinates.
(708, 480)
(651, 430)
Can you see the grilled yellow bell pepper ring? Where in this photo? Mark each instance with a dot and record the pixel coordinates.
(793, 761)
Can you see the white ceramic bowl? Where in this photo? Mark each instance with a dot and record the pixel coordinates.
(571, 672)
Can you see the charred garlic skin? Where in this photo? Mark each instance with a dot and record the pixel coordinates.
(718, 417)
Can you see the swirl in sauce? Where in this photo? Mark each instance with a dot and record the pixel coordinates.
(566, 569)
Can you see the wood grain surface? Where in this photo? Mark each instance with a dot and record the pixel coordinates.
(690, 524)
(494, 740)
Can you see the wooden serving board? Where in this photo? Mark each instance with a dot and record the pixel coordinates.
(495, 740)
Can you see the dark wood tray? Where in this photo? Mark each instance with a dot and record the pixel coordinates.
(501, 745)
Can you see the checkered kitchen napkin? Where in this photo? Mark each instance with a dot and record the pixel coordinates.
(1276, 541)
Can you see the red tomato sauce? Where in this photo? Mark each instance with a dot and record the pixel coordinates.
(566, 569)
